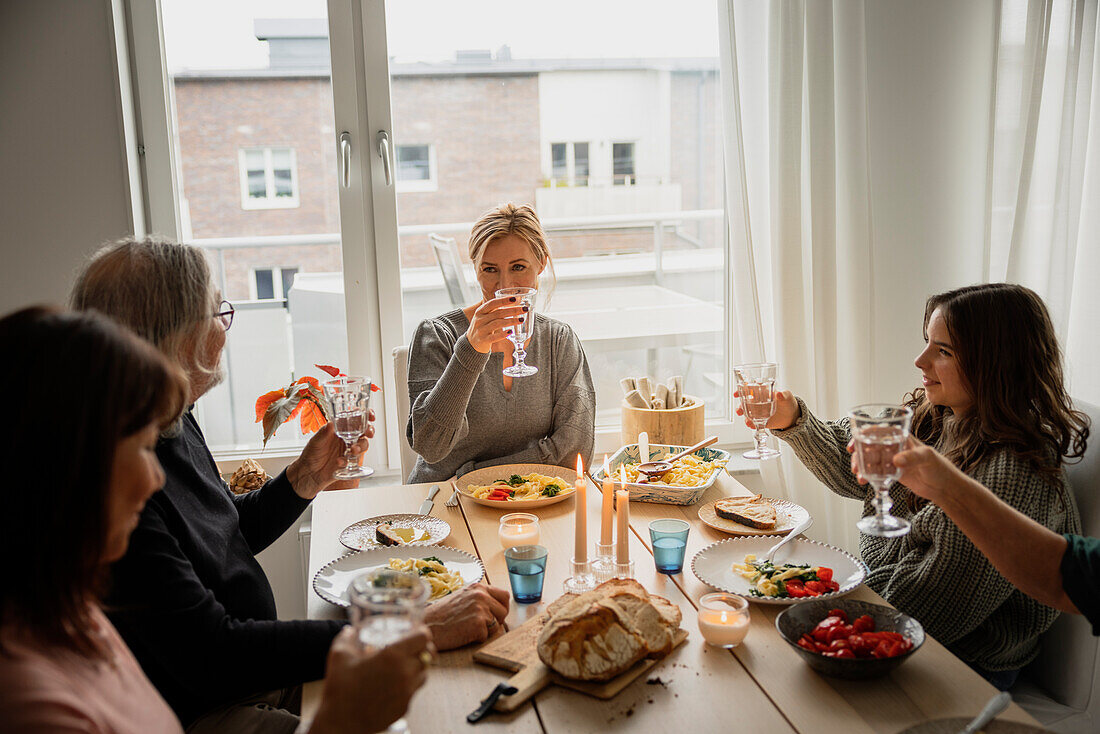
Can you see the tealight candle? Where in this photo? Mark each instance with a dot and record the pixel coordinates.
(723, 619)
(518, 528)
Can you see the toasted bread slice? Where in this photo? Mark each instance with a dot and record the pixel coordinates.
(752, 511)
(383, 533)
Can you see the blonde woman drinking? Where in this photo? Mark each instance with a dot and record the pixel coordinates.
(465, 413)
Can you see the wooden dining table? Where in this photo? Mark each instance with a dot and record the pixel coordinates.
(760, 686)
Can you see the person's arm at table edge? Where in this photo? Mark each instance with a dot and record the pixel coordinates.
(1032, 561)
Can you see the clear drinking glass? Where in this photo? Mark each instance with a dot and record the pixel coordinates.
(755, 385)
(668, 538)
(880, 432)
(349, 398)
(526, 572)
(520, 334)
(386, 605)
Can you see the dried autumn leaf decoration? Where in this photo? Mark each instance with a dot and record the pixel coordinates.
(302, 399)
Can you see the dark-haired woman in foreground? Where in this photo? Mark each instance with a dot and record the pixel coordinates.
(79, 453)
(993, 401)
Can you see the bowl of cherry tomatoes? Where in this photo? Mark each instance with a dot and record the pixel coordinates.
(845, 638)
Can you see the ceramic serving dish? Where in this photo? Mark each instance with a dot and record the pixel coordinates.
(661, 493)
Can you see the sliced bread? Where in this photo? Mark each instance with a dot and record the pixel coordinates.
(752, 511)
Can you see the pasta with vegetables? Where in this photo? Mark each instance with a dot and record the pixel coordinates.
(432, 570)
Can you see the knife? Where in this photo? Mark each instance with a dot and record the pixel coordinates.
(429, 503)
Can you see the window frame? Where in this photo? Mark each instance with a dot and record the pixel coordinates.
(276, 281)
(368, 204)
(270, 201)
(627, 179)
(415, 185)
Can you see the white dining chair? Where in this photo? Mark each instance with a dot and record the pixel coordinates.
(459, 291)
(401, 378)
(1061, 688)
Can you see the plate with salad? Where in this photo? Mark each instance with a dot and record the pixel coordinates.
(518, 486)
(803, 570)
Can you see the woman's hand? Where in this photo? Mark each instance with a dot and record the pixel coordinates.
(468, 615)
(323, 455)
(786, 412)
(367, 689)
(492, 321)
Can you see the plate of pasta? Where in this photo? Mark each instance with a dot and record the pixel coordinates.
(518, 486)
(445, 569)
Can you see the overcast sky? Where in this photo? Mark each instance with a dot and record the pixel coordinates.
(218, 34)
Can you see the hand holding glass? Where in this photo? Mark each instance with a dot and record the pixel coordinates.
(880, 432)
(349, 398)
(522, 332)
(756, 386)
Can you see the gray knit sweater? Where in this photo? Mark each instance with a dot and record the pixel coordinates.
(935, 573)
(462, 418)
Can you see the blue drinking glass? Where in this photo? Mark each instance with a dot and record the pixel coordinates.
(526, 572)
(669, 540)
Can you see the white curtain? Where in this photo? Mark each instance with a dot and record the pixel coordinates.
(1044, 212)
(879, 152)
(800, 215)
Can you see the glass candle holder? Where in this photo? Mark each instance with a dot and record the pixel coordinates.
(518, 528)
(723, 619)
(581, 579)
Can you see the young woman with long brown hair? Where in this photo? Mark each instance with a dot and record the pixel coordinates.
(993, 400)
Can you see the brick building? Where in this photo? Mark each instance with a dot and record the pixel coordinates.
(258, 153)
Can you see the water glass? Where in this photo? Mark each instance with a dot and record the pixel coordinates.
(669, 540)
(521, 333)
(756, 385)
(518, 528)
(526, 572)
(349, 399)
(386, 605)
(880, 432)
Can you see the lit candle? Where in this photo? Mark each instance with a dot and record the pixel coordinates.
(723, 619)
(580, 551)
(605, 512)
(518, 528)
(622, 498)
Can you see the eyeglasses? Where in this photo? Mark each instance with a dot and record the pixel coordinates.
(225, 315)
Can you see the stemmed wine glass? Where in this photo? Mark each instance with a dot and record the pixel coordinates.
(349, 398)
(386, 605)
(755, 385)
(880, 431)
(520, 333)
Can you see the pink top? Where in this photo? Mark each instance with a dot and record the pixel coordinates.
(45, 688)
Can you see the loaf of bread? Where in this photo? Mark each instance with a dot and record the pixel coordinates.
(752, 511)
(602, 633)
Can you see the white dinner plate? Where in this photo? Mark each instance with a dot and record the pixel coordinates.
(787, 516)
(360, 535)
(488, 475)
(714, 565)
(332, 580)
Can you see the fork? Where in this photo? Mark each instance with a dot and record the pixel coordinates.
(452, 501)
(797, 530)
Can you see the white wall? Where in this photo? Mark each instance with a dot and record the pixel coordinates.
(576, 106)
(64, 182)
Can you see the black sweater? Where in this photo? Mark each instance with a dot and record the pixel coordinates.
(191, 600)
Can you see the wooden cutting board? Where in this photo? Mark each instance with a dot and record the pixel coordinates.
(515, 651)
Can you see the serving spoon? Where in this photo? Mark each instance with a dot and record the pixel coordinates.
(657, 469)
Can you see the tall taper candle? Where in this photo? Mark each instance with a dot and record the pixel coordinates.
(605, 510)
(580, 551)
(622, 525)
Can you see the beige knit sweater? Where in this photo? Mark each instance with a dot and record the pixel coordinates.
(935, 573)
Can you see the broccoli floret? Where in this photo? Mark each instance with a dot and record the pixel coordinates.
(433, 558)
(516, 480)
(551, 490)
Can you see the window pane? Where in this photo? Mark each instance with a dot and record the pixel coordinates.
(413, 163)
(623, 161)
(284, 186)
(257, 184)
(558, 165)
(252, 95)
(580, 164)
(265, 287)
(288, 279)
(645, 296)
